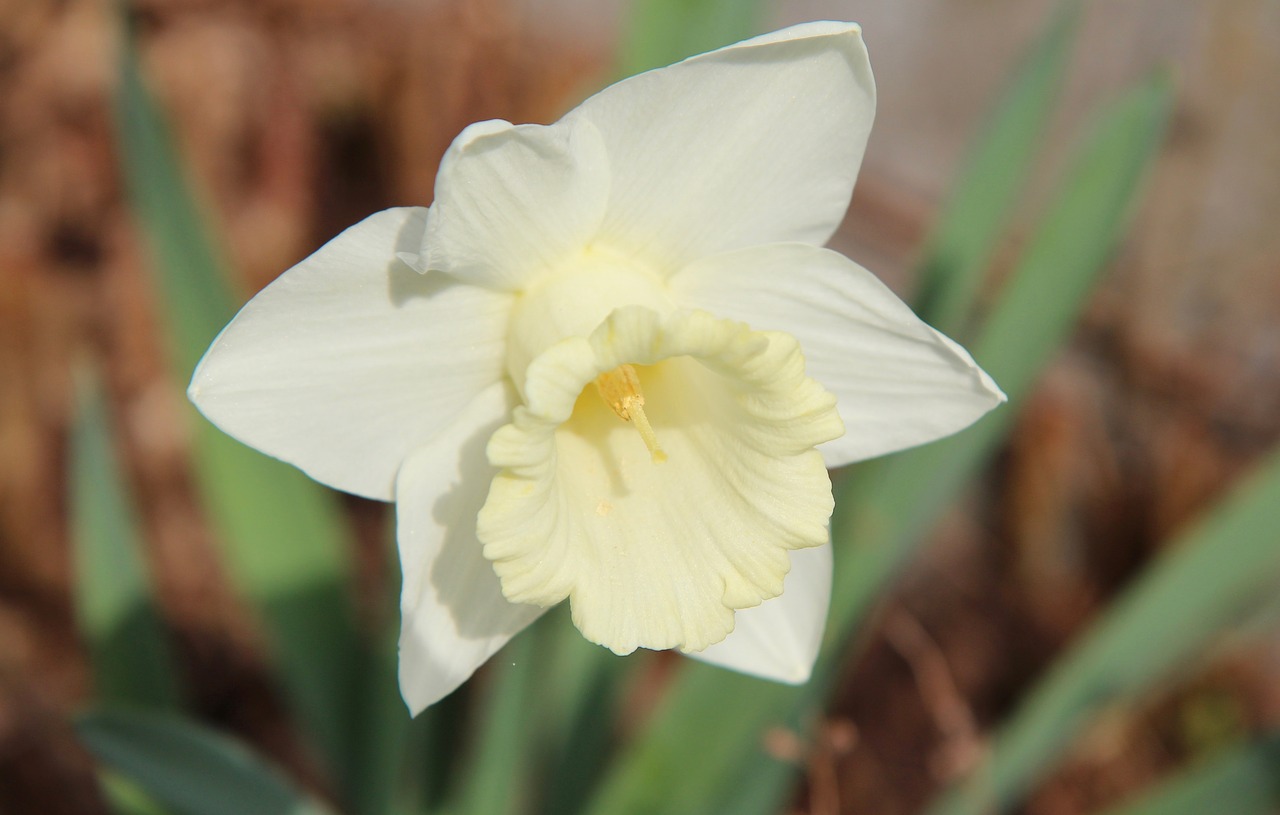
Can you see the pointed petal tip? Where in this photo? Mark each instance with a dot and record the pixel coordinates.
(994, 389)
(984, 380)
(416, 694)
(775, 667)
(797, 674)
(987, 386)
(779, 640)
(414, 702)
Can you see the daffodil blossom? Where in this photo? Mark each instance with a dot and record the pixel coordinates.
(611, 363)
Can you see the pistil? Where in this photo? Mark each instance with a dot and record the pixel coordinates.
(620, 390)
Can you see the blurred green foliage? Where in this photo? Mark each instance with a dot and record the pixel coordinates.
(128, 647)
(188, 768)
(282, 533)
(1244, 780)
(959, 252)
(1210, 579)
(660, 32)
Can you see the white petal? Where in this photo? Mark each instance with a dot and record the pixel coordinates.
(754, 143)
(351, 359)
(513, 200)
(453, 614)
(659, 551)
(898, 382)
(779, 639)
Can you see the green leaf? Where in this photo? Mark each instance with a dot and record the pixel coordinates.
(716, 721)
(127, 642)
(284, 542)
(710, 724)
(500, 758)
(197, 301)
(381, 730)
(433, 763)
(283, 534)
(1076, 237)
(381, 743)
(961, 247)
(189, 768)
(125, 797)
(1241, 781)
(1202, 585)
(661, 32)
(580, 704)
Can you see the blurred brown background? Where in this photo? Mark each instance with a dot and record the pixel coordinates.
(299, 117)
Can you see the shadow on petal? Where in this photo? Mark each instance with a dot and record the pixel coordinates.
(464, 581)
(404, 282)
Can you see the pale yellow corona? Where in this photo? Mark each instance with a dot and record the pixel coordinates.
(620, 390)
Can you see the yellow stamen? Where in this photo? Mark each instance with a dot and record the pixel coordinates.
(620, 390)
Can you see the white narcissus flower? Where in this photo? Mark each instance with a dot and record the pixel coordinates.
(610, 363)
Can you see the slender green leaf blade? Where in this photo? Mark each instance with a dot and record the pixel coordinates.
(196, 299)
(1077, 236)
(284, 536)
(579, 707)
(128, 649)
(381, 737)
(1206, 581)
(665, 31)
(710, 724)
(1242, 781)
(189, 768)
(284, 542)
(433, 766)
(495, 780)
(961, 247)
(125, 797)
(381, 730)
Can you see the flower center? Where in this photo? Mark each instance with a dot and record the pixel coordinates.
(620, 390)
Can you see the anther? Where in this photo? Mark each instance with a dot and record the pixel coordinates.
(620, 390)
